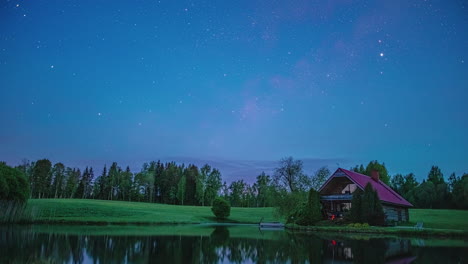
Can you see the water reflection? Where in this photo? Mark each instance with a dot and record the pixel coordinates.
(215, 245)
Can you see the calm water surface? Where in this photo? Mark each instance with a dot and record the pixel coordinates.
(214, 244)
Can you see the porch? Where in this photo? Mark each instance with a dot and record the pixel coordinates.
(334, 206)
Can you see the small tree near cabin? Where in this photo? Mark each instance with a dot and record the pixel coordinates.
(366, 207)
(355, 212)
(308, 213)
(315, 214)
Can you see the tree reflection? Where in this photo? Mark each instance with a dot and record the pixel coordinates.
(22, 244)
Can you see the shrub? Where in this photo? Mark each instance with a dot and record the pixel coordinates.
(14, 192)
(298, 215)
(307, 213)
(314, 212)
(13, 185)
(359, 225)
(221, 208)
(288, 203)
(366, 207)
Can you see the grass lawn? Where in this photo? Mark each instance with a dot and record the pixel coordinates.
(441, 219)
(77, 211)
(100, 211)
(449, 223)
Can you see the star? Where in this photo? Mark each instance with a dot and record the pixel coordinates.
(381, 54)
(99, 114)
(52, 66)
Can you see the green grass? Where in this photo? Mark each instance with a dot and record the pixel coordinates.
(77, 211)
(449, 223)
(440, 219)
(409, 232)
(117, 212)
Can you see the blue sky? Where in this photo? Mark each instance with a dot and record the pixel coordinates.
(132, 81)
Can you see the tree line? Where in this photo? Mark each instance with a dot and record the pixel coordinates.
(168, 183)
(172, 183)
(159, 182)
(435, 191)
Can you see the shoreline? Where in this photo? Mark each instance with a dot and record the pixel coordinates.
(395, 231)
(425, 232)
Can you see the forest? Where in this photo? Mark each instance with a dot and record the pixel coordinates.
(435, 191)
(172, 183)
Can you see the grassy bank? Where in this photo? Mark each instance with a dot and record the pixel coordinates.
(448, 223)
(440, 218)
(117, 212)
(410, 232)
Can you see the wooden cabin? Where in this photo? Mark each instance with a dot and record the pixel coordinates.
(336, 194)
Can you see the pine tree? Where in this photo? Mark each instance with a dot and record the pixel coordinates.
(435, 175)
(80, 190)
(314, 212)
(181, 190)
(58, 180)
(41, 178)
(356, 207)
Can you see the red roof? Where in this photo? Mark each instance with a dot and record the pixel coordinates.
(386, 194)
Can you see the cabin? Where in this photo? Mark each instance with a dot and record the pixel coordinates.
(336, 194)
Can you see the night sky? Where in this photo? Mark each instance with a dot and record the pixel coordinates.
(236, 83)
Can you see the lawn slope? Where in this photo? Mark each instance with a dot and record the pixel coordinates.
(118, 212)
(440, 218)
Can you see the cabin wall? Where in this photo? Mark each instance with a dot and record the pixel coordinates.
(395, 213)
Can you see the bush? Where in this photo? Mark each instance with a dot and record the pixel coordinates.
(359, 225)
(13, 184)
(288, 203)
(309, 213)
(221, 208)
(14, 192)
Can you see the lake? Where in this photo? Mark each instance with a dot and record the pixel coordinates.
(214, 244)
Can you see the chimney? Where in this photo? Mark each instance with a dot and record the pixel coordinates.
(375, 175)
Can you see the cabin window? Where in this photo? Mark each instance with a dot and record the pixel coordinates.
(348, 189)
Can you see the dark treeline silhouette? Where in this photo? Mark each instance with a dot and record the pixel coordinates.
(435, 191)
(173, 183)
(157, 182)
